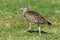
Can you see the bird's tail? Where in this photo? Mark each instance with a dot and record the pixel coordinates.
(49, 23)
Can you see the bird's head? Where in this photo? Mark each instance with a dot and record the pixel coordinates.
(24, 8)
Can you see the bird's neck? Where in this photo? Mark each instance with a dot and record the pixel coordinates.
(25, 11)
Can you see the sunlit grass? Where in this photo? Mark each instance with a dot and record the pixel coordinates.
(13, 24)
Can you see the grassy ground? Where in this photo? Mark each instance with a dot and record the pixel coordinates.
(13, 24)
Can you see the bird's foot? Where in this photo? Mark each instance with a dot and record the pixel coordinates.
(39, 33)
(28, 30)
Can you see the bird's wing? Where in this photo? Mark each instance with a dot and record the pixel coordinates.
(34, 17)
(30, 17)
(39, 18)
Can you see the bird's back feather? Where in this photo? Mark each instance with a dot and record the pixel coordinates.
(35, 17)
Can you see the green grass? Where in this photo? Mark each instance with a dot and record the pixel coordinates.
(13, 24)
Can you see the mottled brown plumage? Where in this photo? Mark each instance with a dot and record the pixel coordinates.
(34, 17)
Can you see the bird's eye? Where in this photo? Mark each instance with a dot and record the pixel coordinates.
(24, 7)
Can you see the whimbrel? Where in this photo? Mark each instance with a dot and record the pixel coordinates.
(34, 17)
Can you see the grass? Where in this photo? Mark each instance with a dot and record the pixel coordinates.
(13, 24)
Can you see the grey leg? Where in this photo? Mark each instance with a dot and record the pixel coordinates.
(29, 27)
(39, 30)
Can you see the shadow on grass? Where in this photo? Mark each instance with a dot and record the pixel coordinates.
(37, 31)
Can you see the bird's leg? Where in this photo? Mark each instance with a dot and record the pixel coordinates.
(39, 29)
(29, 27)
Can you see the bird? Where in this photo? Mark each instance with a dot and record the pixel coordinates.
(34, 17)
